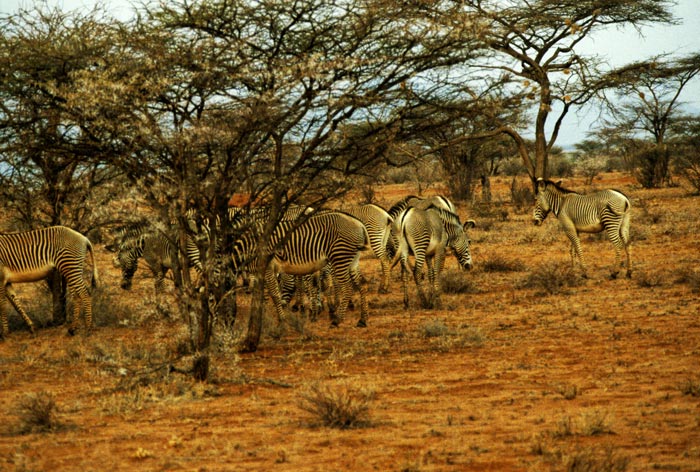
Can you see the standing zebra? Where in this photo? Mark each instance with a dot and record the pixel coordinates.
(378, 223)
(327, 238)
(606, 210)
(422, 203)
(143, 240)
(32, 255)
(427, 234)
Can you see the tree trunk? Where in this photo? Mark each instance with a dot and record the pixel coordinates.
(57, 285)
(257, 310)
(485, 188)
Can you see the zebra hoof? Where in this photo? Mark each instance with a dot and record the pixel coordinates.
(629, 274)
(71, 331)
(613, 276)
(362, 324)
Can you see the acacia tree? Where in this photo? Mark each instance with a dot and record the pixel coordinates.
(648, 102)
(535, 45)
(50, 172)
(284, 101)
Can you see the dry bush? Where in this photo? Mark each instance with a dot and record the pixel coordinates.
(690, 387)
(342, 407)
(593, 460)
(649, 279)
(522, 196)
(552, 278)
(690, 277)
(595, 423)
(455, 281)
(498, 263)
(37, 413)
(434, 329)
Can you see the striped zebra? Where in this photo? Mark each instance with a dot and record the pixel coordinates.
(378, 223)
(606, 210)
(422, 203)
(412, 201)
(326, 238)
(31, 256)
(142, 240)
(427, 234)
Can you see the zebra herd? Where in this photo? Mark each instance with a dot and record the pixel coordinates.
(306, 245)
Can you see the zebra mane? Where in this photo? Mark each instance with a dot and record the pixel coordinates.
(446, 215)
(399, 206)
(559, 187)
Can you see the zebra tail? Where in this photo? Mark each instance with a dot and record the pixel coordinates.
(94, 264)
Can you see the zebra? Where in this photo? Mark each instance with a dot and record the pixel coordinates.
(427, 234)
(412, 201)
(326, 238)
(607, 210)
(422, 203)
(31, 256)
(378, 223)
(143, 240)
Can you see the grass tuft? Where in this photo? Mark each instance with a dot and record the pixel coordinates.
(37, 413)
(552, 278)
(342, 407)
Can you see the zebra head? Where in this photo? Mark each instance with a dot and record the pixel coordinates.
(126, 260)
(460, 242)
(542, 202)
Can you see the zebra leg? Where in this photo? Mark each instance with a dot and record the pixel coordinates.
(344, 281)
(356, 279)
(404, 282)
(159, 286)
(12, 297)
(274, 290)
(576, 253)
(384, 284)
(438, 264)
(613, 233)
(418, 278)
(4, 307)
(625, 237)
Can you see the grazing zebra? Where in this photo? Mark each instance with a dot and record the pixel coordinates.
(32, 255)
(427, 234)
(378, 223)
(412, 201)
(606, 210)
(142, 240)
(328, 238)
(422, 203)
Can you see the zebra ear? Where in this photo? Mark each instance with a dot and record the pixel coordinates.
(541, 184)
(469, 224)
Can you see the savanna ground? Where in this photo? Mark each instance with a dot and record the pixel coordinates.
(524, 366)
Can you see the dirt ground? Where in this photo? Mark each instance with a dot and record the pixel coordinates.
(512, 373)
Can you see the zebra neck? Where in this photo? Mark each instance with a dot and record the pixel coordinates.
(556, 204)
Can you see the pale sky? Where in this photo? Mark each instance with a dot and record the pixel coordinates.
(618, 47)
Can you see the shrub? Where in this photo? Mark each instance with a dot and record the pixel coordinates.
(499, 263)
(552, 278)
(343, 407)
(37, 414)
(435, 329)
(522, 196)
(690, 387)
(691, 277)
(587, 460)
(456, 281)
